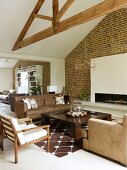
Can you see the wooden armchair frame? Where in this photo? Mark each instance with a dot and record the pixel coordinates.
(12, 134)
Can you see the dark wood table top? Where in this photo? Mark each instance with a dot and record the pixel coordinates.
(78, 120)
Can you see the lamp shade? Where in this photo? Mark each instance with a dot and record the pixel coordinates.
(51, 88)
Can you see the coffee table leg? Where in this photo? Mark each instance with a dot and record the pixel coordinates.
(75, 131)
(44, 120)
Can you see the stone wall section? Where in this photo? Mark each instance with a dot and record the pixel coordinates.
(109, 37)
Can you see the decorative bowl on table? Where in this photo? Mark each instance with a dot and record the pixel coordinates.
(76, 110)
(76, 114)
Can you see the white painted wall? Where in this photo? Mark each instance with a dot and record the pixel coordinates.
(109, 76)
(58, 74)
(6, 79)
(57, 65)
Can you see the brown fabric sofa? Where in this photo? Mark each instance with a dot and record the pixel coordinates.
(46, 103)
(107, 138)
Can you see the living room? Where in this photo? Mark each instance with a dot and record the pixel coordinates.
(77, 60)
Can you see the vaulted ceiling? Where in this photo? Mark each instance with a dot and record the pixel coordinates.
(14, 15)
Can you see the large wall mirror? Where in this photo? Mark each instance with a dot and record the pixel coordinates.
(10, 70)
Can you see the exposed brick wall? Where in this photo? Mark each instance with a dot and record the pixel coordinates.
(46, 71)
(109, 37)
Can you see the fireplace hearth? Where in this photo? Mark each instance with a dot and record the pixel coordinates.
(111, 98)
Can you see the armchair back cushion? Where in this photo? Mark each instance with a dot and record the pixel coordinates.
(17, 128)
(10, 126)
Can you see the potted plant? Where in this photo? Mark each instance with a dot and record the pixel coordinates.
(84, 96)
(34, 90)
(39, 88)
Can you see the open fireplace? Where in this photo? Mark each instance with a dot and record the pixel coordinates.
(111, 98)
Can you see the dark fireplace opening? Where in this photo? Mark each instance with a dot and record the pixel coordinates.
(111, 98)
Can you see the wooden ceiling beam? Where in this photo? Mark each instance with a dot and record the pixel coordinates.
(55, 12)
(35, 38)
(98, 10)
(29, 22)
(65, 8)
(43, 17)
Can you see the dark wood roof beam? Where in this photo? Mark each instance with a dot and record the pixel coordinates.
(55, 9)
(43, 17)
(94, 12)
(65, 7)
(35, 38)
(98, 10)
(28, 23)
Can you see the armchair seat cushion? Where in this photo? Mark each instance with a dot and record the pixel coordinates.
(25, 126)
(28, 136)
(34, 134)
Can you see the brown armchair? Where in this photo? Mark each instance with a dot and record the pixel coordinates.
(107, 138)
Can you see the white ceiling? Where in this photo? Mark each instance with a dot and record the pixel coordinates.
(14, 14)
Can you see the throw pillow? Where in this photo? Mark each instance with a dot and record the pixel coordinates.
(33, 103)
(5, 92)
(11, 91)
(27, 101)
(59, 99)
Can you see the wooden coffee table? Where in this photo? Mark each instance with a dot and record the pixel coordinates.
(75, 123)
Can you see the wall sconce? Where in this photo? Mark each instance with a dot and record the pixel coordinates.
(93, 66)
(85, 64)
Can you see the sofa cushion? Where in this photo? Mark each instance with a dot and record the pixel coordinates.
(27, 101)
(50, 100)
(40, 102)
(33, 103)
(40, 110)
(40, 99)
(59, 99)
(62, 107)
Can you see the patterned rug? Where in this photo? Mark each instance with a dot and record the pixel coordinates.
(61, 143)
